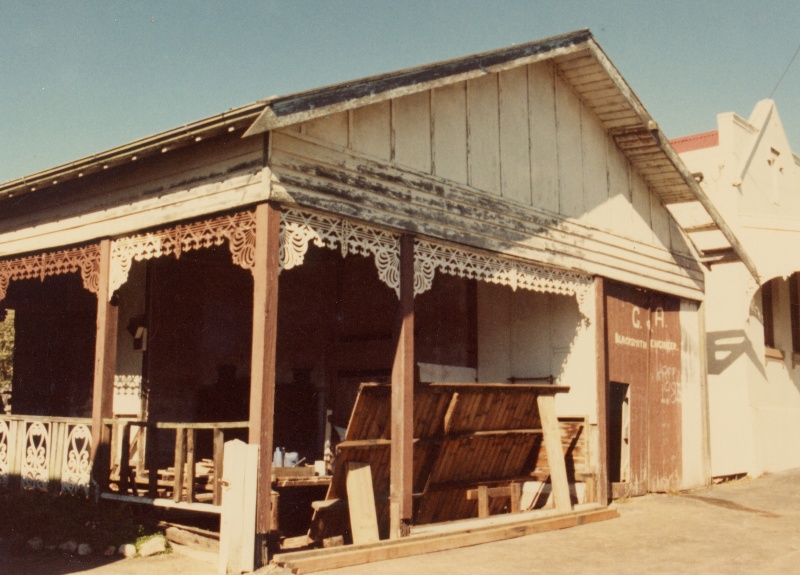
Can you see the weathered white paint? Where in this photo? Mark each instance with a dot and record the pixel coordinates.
(542, 128)
(522, 135)
(693, 405)
(527, 334)
(753, 178)
(167, 189)
(449, 132)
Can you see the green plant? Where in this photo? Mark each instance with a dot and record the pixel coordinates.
(6, 351)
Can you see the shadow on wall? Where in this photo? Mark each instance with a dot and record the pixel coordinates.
(725, 347)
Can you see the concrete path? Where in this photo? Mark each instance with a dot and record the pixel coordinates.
(750, 526)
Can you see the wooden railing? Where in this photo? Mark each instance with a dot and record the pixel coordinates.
(139, 469)
(53, 454)
(45, 453)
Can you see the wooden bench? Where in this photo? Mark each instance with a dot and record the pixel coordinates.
(575, 442)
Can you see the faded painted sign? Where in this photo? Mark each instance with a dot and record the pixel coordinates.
(644, 351)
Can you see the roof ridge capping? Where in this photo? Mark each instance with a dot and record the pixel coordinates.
(286, 110)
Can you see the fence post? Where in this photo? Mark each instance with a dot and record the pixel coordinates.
(238, 520)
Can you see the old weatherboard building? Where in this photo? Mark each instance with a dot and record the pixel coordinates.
(459, 289)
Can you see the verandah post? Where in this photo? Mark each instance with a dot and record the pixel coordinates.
(602, 388)
(105, 358)
(262, 378)
(402, 450)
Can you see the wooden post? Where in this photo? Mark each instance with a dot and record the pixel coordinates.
(402, 450)
(180, 460)
(190, 469)
(152, 456)
(555, 452)
(125, 459)
(705, 433)
(483, 501)
(601, 362)
(105, 359)
(262, 370)
(219, 448)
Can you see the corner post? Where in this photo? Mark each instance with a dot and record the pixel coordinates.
(262, 370)
(601, 352)
(402, 450)
(105, 359)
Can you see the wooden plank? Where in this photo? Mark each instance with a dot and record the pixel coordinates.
(402, 398)
(309, 562)
(370, 129)
(411, 129)
(449, 118)
(555, 453)
(595, 170)
(231, 519)
(515, 159)
(570, 151)
(515, 494)
(641, 228)
(333, 128)
(483, 134)
(361, 503)
(105, 362)
(262, 378)
(180, 460)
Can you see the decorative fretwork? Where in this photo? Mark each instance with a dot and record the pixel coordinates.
(431, 257)
(85, 259)
(238, 229)
(128, 385)
(76, 468)
(5, 436)
(35, 461)
(299, 228)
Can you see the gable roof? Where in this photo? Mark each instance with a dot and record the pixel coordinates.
(580, 60)
(577, 57)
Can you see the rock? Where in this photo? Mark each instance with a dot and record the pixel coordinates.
(153, 546)
(127, 550)
(36, 543)
(84, 549)
(110, 550)
(68, 546)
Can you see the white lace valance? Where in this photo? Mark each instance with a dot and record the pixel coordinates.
(299, 228)
(431, 257)
(238, 229)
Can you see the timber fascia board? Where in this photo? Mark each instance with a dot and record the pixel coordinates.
(292, 109)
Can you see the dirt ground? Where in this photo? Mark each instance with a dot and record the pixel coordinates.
(744, 527)
(182, 560)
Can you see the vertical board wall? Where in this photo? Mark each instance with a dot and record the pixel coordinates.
(644, 351)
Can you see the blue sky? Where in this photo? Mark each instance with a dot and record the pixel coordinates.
(78, 77)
